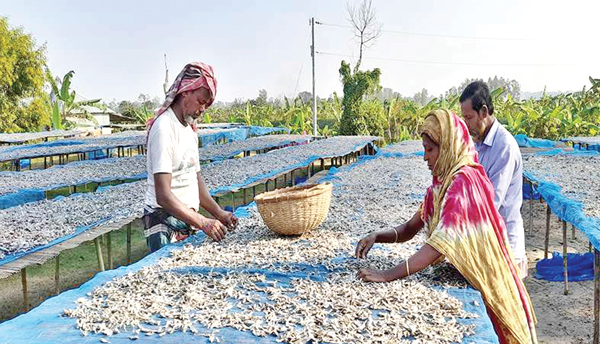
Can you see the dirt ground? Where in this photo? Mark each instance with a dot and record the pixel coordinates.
(561, 318)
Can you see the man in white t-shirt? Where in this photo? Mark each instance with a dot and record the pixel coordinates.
(176, 189)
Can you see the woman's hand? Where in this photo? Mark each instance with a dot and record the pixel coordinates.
(370, 275)
(364, 245)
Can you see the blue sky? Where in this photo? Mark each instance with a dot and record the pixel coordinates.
(116, 47)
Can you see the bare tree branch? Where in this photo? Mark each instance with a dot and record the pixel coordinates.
(366, 28)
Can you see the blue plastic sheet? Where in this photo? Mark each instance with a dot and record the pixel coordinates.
(525, 141)
(261, 131)
(530, 192)
(21, 197)
(44, 324)
(580, 267)
(230, 135)
(565, 208)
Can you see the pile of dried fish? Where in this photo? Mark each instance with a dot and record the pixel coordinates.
(51, 219)
(240, 170)
(226, 151)
(171, 296)
(404, 147)
(34, 224)
(24, 137)
(338, 311)
(74, 146)
(73, 174)
(122, 168)
(577, 175)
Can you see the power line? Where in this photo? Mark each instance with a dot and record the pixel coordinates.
(419, 34)
(452, 63)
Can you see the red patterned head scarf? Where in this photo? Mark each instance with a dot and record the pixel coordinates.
(193, 76)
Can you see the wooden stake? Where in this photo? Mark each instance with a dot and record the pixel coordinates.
(548, 213)
(531, 208)
(109, 251)
(128, 243)
(564, 223)
(99, 254)
(24, 284)
(596, 297)
(57, 275)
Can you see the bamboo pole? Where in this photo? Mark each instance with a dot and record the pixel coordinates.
(565, 257)
(24, 285)
(596, 297)
(99, 254)
(128, 243)
(531, 208)
(57, 275)
(548, 213)
(109, 251)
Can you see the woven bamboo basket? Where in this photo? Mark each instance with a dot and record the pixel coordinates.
(295, 210)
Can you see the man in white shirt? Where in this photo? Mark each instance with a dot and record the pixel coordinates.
(176, 189)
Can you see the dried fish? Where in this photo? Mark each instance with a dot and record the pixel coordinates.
(35, 224)
(339, 309)
(404, 147)
(575, 174)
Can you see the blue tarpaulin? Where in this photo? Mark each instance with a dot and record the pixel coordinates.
(580, 267)
(261, 131)
(525, 141)
(229, 135)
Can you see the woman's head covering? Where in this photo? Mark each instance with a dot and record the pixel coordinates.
(193, 76)
(451, 135)
(456, 150)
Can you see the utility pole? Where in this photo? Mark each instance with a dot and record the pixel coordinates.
(314, 94)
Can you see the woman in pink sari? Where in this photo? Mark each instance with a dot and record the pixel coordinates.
(463, 226)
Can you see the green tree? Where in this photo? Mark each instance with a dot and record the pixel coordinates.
(356, 86)
(24, 105)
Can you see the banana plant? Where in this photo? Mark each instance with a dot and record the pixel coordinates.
(142, 115)
(64, 103)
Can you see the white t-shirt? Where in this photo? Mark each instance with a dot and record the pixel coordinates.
(173, 148)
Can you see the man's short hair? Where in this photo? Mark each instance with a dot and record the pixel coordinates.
(479, 93)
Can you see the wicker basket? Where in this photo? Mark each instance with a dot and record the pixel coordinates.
(295, 210)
